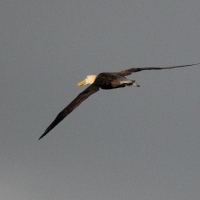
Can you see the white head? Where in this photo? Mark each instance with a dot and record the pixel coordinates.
(88, 80)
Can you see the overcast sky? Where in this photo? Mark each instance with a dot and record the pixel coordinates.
(130, 143)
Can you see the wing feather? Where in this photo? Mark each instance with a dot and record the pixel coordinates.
(75, 103)
(133, 70)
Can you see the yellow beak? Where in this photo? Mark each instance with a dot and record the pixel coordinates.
(83, 82)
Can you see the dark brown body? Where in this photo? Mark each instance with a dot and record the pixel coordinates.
(109, 81)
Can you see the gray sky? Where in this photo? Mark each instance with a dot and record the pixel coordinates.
(131, 143)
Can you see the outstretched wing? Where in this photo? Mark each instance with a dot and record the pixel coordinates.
(75, 103)
(133, 70)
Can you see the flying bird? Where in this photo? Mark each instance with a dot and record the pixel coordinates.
(105, 80)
